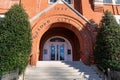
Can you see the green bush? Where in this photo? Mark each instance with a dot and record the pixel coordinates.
(107, 49)
(15, 40)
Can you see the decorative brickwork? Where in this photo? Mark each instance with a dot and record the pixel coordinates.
(73, 19)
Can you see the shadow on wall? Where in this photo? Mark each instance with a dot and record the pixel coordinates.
(86, 72)
(91, 4)
(78, 6)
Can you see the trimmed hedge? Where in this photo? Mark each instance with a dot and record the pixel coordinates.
(107, 49)
(15, 40)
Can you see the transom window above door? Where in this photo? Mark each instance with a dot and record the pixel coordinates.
(68, 1)
(57, 40)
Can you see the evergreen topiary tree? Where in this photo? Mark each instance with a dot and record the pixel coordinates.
(15, 40)
(107, 49)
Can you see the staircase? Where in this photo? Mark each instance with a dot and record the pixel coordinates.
(60, 70)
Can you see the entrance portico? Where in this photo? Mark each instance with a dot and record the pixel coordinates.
(67, 25)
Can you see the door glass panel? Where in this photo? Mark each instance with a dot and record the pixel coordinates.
(62, 52)
(57, 53)
(52, 52)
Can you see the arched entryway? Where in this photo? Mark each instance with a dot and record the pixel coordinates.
(74, 31)
(60, 36)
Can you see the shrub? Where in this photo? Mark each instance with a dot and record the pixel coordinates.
(15, 40)
(107, 49)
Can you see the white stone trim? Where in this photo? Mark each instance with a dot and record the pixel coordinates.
(60, 2)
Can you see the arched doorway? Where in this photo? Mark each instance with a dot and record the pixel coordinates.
(61, 42)
(57, 48)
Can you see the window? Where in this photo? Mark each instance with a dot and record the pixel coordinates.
(57, 40)
(68, 1)
(117, 1)
(111, 1)
(107, 1)
(69, 52)
(52, 1)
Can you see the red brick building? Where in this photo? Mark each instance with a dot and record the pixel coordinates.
(64, 29)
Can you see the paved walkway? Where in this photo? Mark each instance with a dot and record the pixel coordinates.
(60, 70)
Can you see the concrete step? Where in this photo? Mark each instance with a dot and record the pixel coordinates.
(53, 74)
(54, 78)
(52, 68)
(60, 70)
(60, 78)
(53, 71)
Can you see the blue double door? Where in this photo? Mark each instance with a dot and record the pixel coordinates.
(57, 51)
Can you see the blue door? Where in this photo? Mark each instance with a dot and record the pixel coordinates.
(57, 51)
(62, 52)
(52, 52)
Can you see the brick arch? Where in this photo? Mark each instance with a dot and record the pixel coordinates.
(77, 27)
(63, 32)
